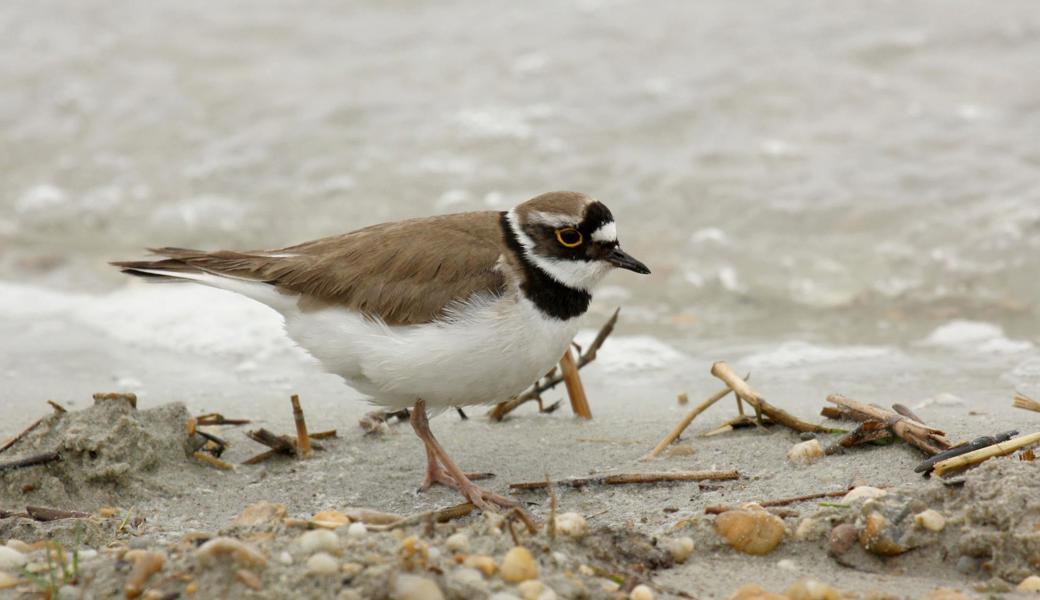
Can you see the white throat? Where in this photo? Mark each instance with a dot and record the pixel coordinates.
(575, 274)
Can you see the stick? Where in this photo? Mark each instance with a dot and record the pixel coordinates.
(745, 393)
(32, 461)
(14, 440)
(714, 510)
(973, 458)
(552, 508)
(627, 478)
(867, 431)
(975, 444)
(303, 442)
(685, 422)
(929, 440)
(57, 407)
(40, 513)
(219, 419)
(738, 422)
(1025, 402)
(547, 383)
(575, 390)
(442, 515)
(321, 435)
(212, 460)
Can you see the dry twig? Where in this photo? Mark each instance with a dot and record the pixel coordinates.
(747, 394)
(442, 515)
(303, 441)
(983, 454)
(41, 513)
(714, 510)
(31, 461)
(628, 478)
(213, 461)
(928, 439)
(1025, 402)
(547, 383)
(685, 422)
(575, 389)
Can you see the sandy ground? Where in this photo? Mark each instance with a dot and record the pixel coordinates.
(633, 409)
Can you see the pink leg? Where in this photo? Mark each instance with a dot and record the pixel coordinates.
(440, 468)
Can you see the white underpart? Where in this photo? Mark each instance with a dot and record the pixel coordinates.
(485, 350)
(606, 233)
(576, 274)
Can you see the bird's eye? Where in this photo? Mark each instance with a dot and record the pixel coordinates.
(569, 237)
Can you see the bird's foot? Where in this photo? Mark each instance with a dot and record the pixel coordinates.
(485, 500)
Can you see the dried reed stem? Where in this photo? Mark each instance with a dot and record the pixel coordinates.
(303, 441)
(575, 390)
(1025, 402)
(628, 478)
(747, 394)
(973, 458)
(685, 422)
(928, 439)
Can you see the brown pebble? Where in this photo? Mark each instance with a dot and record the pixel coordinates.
(146, 563)
(842, 538)
(518, 565)
(750, 530)
(260, 513)
(242, 553)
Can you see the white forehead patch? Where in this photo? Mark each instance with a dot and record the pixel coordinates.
(606, 233)
(552, 219)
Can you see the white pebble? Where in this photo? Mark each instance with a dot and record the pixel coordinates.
(87, 554)
(356, 529)
(467, 575)
(571, 524)
(1029, 584)
(787, 564)
(560, 557)
(319, 540)
(458, 542)
(930, 519)
(862, 492)
(285, 558)
(322, 564)
(11, 559)
(641, 592)
(680, 548)
(805, 453)
(414, 587)
(433, 553)
(535, 590)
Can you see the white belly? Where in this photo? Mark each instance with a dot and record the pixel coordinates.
(488, 351)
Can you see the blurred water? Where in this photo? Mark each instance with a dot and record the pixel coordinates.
(840, 172)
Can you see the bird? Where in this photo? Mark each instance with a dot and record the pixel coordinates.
(442, 311)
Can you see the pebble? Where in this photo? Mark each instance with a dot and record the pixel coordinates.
(680, 548)
(754, 592)
(87, 554)
(806, 529)
(641, 592)
(751, 530)
(330, 519)
(571, 524)
(241, 552)
(414, 587)
(842, 538)
(319, 540)
(322, 563)
(261, 513)
(7, 580)
(19, 545)
(862, 493)
(11, 559)
(787, 564)
(805, 453)
(810, 589)
(1029, 584)
(535, 590)
(467, 575)
(930, 519)
(519, 565)
(356, 530)
(351, 569)
(484, 564)
(285, 558)
(458, 542)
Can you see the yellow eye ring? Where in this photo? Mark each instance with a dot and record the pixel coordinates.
(569, 237)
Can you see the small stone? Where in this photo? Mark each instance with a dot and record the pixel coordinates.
(458, 542)
(571, 524)
(240, 552)
(482, 563)
(8, 580)
(1029, 584)
(810, 589)
(322, 563)
(842, 538)
(787, 564)
(414, 587)
(351, 569)
(930, 519)
(11, 559)
(19, 545)
(260, 513)
(467, 575)
(586, 570)
(87, 554)
(805, 436)
(805, 529)
(641, 592)
(862, 493)
(968, 565)
(356, 530)
(877, 536)
(805, 453)
(285, 558)
(751, 530)
(319, 540)
(330, 519)
(754, 592)
(680, 548)
(535, 590)
(519, 565)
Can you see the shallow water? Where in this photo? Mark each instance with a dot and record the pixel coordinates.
(843, 191)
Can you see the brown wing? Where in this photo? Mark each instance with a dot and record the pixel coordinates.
(404, 273)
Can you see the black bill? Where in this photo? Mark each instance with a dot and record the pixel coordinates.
(623, 260)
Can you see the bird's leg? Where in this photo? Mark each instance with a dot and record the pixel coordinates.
(440, 468)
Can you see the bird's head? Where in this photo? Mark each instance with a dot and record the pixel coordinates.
(571, 237)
